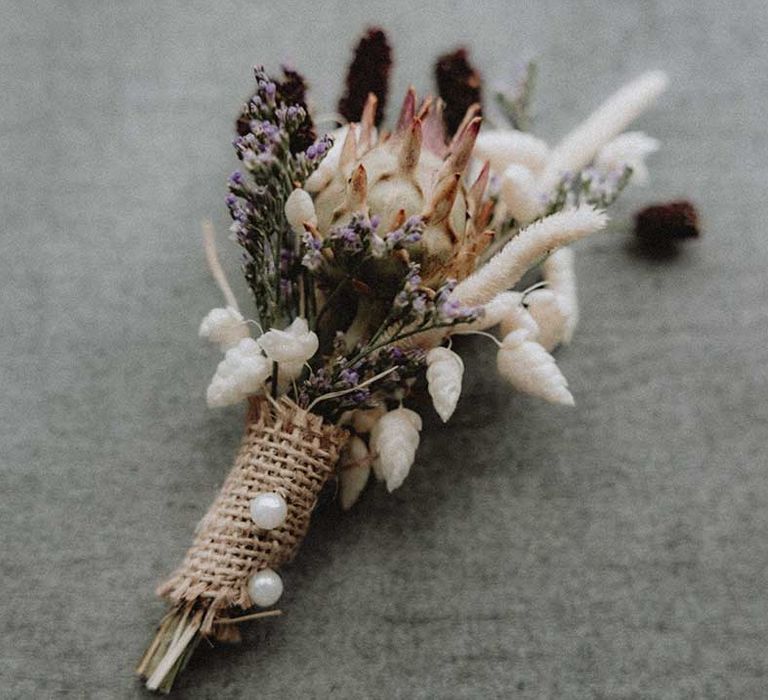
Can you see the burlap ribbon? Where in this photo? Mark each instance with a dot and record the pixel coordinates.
(286, 450)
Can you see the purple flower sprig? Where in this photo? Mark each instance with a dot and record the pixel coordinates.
(278, 150)
(359, 240)
(338, 375)
(417, 308)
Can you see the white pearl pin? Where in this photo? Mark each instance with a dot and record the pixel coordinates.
(268, 510)
(265, 588)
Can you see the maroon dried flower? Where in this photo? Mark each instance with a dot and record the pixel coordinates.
(293, 89)
(293, 92)
(368, 72)
(460, 86)
(667, 223)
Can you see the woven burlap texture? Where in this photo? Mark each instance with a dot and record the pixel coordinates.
(285, 450)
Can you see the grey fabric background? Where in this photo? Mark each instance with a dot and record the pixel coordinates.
(617, 550)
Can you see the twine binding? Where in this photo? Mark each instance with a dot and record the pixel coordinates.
(286, 450)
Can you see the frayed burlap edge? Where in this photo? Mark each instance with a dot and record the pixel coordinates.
(286, 450)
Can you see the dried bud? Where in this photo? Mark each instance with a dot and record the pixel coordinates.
(459, 84)
(368, 73)
(300, 210)
(295, 344)
(292, 91)
(664, 224)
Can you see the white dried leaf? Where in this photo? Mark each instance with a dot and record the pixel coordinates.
(224, 326)
(354, 471)
(394, 440)
(294, 345)
(531, 369)
(239, 375)
(445, 370)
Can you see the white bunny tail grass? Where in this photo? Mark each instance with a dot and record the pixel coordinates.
(504, 146)
(549, 313)
(560, 274)
(495, 312)
(579, 147)
(506, 268)
(520, 194)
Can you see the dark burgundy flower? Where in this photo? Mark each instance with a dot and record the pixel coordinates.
(667, 223)
(459, 85)
(368, 72)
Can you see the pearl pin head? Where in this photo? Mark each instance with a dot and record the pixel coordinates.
(268, 510)
(265, 588)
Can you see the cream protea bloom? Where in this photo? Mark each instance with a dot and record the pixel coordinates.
(520, 194)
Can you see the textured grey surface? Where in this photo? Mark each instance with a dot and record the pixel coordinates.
(618, 550)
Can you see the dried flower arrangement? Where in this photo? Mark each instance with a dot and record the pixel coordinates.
(366, 250)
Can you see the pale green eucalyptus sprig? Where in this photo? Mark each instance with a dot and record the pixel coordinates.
(515, 104)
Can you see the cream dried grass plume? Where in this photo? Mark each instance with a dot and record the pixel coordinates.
(556, 308)
(548, 311)
(579, 147)
(507, 267)
(502, 147)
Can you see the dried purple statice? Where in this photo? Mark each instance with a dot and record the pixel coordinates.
(291, 91)
(459, 85)
(368, 73)
(270, 133)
